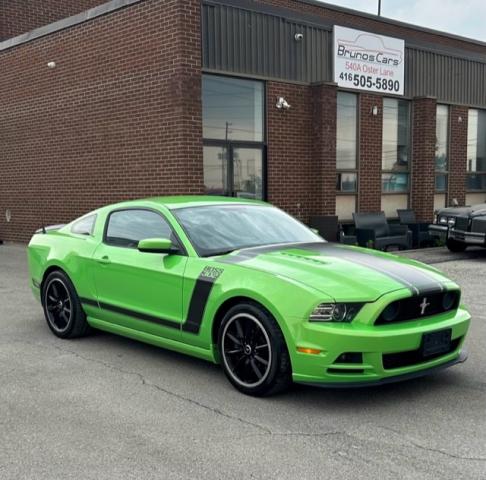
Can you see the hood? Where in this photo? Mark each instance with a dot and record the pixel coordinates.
(341, 272)
(464, 211)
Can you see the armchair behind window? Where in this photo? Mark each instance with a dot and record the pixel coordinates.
(420, 231)
(372, 230)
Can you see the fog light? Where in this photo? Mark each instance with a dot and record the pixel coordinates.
(448, 300)
(350, 357)
(391, 312)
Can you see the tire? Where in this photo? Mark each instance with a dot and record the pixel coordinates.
(62, 308)
(455, 246)
(253, 352)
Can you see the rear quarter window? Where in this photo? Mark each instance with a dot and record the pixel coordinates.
(84, 226)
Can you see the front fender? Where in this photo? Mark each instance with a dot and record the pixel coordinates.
(288, 301)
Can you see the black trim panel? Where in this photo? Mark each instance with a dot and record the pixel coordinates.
(199, 299)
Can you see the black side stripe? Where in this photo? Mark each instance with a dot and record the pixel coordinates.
(200, 295)
(197, 305)
(131, 313)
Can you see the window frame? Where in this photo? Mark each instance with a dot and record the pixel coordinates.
(355, 171)
(408, 171)
(180, 245)
(230, 145)
(469, 173)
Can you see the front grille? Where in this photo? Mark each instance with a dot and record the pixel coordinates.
(461, 223)
(414, 357)
(419, 306)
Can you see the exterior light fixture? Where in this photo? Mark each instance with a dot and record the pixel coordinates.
(374, 110)
(282, 104)
(299, 37)
(459, 119)
(51, 64)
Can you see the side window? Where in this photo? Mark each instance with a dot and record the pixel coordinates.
(127, 227)
(84, 226)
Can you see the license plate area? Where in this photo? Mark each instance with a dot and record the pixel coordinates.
(435, 343)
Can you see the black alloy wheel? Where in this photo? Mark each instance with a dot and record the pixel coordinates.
(62, 308)
(253, 351)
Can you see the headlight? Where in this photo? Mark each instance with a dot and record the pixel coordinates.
(442, 220)
(335, 312)
(451, 221)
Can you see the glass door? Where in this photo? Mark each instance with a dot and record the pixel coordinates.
(234, 170)
(247, 172)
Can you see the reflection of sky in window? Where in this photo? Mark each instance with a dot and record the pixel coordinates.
(136, 225)
(346, 131)
(232, 109)
(442, 124)
(476, 141)
(395, 143)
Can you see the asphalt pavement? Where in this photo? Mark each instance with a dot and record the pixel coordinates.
(106, 407)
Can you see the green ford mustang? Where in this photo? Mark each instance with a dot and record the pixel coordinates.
(241, 283)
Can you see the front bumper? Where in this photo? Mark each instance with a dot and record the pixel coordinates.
(394, 379)
(471, 238)
(438, 231)
(376, 344)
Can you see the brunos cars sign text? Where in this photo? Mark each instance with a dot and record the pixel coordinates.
(367, 61)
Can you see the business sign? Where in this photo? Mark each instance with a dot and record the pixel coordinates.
(367, 61)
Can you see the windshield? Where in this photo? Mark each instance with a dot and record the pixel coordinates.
(219, 229)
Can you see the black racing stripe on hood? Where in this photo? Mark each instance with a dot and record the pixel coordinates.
(418, 281)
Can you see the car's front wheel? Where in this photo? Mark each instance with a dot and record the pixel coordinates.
(253, 352)
(455, 246)
(62, 308)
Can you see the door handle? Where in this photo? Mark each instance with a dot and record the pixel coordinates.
(104, 260)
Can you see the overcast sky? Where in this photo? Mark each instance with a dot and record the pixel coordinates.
(461, 17)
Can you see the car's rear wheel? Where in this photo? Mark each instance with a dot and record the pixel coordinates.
(253, 352)
(62, 308)
(455, 246)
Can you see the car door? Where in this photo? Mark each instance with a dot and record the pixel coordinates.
(137, 290)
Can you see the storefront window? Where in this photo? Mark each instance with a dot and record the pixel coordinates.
(476, 151)
(346, 154)
(232, 109)
(441, 148)
(395, 154)
(233, 131)
(396, 135)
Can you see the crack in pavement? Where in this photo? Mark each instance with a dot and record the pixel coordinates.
(431, 449)
(147, 383)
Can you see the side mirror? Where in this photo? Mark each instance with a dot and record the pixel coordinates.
(156, 245)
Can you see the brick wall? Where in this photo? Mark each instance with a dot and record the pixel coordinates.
(324, 101)
(370, 146)
(289, 154)
(458, 153)
(119, 117)
(301, 149)
(20, 16)
(423, 158)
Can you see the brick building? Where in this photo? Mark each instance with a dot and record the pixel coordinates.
(107, 101)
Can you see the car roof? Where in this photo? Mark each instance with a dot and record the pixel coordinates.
(184, 201)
